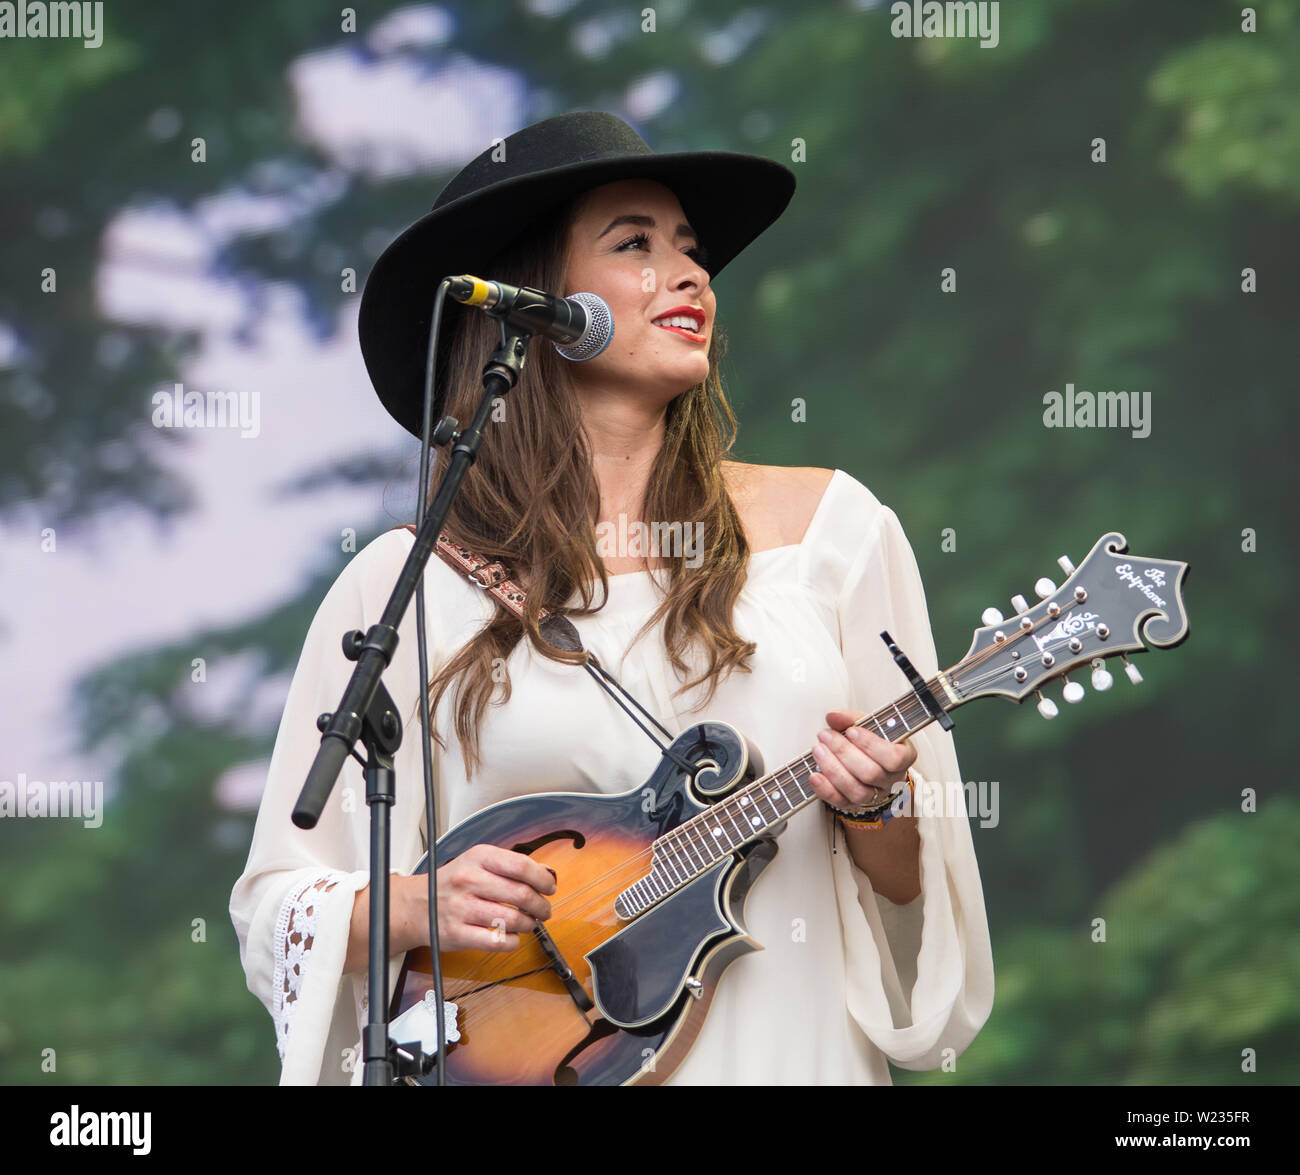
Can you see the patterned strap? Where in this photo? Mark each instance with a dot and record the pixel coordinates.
(492, 576)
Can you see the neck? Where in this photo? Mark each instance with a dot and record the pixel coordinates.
(625, 435)
(760, 808)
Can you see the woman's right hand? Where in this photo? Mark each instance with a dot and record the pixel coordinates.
(487, 898)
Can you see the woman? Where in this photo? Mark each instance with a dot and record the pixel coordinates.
(876, 941)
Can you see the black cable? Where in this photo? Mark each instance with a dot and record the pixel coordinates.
(421, 643)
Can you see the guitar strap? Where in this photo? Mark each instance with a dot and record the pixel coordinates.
(494, 577)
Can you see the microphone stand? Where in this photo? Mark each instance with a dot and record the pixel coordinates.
(367, 713)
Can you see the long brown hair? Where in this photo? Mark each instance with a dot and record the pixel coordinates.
(531, 499)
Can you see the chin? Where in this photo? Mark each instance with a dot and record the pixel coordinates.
(685, 383)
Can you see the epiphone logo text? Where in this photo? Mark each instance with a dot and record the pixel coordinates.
(1134, 580)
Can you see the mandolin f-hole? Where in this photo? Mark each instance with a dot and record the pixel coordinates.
(565, 1073)
(530, 847)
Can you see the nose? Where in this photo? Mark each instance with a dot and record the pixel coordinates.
(690, 274)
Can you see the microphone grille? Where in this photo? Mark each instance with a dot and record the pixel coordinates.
(599, 332)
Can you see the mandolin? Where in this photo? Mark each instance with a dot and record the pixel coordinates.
(649, 911)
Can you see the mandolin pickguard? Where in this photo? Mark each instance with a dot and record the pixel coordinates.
(640, 971)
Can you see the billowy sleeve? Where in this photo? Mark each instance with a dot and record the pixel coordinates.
(292, 906)
(919, 976)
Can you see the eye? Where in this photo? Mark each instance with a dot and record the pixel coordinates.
(697, 253)
(639, 239)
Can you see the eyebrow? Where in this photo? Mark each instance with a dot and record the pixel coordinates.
(683, 230)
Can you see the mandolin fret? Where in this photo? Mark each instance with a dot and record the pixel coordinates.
(672, 865)
(693, 852)
(720, 834)
(732, 811)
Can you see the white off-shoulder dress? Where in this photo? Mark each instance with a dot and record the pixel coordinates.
(846, 979)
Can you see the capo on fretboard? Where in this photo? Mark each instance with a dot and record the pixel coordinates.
(922, 691)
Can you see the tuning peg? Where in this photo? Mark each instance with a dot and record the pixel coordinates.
(1132, 670)
(991, 616)
(1101, 678)
(1073, 691)
(1046, 707)
(1044, 588)
(1066, 565)
(1020, 604)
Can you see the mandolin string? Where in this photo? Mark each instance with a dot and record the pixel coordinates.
(499, 967)
(632, 869)
(505, 963)
(1048, 647)
(494, 1000)
(763, 787)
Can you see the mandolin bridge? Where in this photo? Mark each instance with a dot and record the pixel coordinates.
(562, 968)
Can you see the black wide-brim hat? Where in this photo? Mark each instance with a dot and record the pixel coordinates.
(729, 198)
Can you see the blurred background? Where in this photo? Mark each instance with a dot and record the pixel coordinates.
(198, 200)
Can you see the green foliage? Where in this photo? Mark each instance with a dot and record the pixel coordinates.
(1198, 964)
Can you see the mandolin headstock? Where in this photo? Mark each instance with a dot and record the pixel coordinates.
(1112, 605)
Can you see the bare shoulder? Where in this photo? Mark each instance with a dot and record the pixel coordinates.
(776, 502)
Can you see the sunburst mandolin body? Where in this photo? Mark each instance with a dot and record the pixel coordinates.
(595, 998)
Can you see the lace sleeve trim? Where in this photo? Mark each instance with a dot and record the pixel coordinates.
(295, 932)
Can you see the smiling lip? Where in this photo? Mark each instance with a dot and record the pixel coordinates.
(685, 311)
(677, 330)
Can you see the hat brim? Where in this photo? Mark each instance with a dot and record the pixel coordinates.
(729, 198)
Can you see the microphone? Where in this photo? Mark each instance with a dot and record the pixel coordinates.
(580, 326)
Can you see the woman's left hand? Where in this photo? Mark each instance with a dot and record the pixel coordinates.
(856, 767)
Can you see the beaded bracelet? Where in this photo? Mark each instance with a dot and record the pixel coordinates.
(872, 817)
